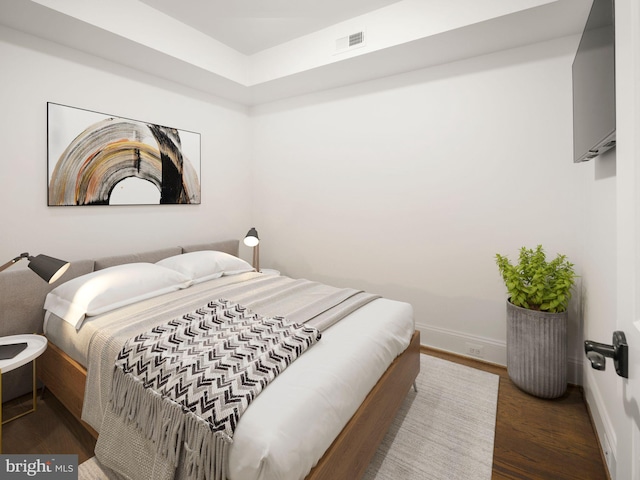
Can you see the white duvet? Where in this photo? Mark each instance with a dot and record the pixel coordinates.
(289, 426)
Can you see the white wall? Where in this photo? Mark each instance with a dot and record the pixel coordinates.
(599, 290)
(35, 72)
(409, 185)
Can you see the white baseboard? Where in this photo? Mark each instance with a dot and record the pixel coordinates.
(457, 342)
(602, 423)
(492, 351)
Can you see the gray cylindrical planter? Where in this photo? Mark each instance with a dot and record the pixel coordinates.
(537, 351)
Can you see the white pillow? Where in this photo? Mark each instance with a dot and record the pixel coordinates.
(206, 265)
(104, 290)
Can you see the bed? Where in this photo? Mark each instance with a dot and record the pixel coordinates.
(62, 369)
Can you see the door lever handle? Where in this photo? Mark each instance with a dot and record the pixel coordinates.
(619, 351)
(598, 362)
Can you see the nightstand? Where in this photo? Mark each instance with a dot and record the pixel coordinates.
(270, 271)
(36, 345)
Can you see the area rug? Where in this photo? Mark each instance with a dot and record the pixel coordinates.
(445, 431)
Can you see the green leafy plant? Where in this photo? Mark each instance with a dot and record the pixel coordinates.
(537, 284)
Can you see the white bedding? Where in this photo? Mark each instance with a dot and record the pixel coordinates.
(289, 426)
(320, 392)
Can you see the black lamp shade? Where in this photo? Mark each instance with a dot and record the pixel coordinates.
(48, 268)
(251, 240)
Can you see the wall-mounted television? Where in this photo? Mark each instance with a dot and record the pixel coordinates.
(594, 85)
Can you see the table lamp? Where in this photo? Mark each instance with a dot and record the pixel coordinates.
(49, 269)
(252, 240)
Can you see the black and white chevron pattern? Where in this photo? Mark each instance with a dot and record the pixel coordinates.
(215, 360)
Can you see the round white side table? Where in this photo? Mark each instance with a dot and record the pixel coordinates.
(36, 345)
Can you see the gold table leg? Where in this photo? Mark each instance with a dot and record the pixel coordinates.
(34, 404)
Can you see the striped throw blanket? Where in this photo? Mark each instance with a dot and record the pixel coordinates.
(190, 380)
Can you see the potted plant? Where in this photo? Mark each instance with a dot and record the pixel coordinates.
(537, 317)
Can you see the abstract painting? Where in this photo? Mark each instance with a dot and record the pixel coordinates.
(99, 159)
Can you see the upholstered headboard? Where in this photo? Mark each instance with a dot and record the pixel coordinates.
(153, 256)
(22, 294)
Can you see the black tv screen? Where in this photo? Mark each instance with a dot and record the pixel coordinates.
(594, 89)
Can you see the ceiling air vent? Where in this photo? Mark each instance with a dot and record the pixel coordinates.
(354, 40)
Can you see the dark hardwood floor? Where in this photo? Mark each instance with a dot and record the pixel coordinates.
(51, 429)
(535, 439)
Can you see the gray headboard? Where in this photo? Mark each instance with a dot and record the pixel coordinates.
(22, 295)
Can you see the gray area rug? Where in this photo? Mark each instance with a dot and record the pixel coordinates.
(443, 432)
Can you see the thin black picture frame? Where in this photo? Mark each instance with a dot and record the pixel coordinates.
(96, 158)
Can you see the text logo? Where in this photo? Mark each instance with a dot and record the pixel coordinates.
(49, 467)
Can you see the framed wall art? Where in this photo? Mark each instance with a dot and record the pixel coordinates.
(99, 159)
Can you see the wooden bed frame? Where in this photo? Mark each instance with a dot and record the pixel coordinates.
(349, 454)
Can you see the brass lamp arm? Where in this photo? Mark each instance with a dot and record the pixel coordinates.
(15, 260)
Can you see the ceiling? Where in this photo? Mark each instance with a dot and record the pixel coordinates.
(250, 26)
(209, 42)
